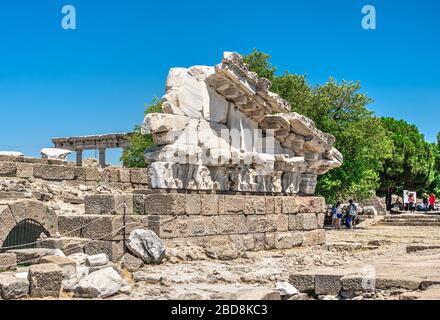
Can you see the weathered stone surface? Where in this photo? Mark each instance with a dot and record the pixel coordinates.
(12, 287)
(8, 169)
(67, 265)
(45, 280)
(113, 249)
(30, 256)
(97, 260)
(139, 177)
(304, 282)
(314, 237)
(8, 261)
(147, 246)
(303, 222)
(108, 204)
(87, 174)
(165, 204)
(328, 284)
(287, 240)
(100, 284)
(286, 289)
(259, 294)
(25, 170)
(131, 263)
(51, 172)
(231, 204)
(216, 115)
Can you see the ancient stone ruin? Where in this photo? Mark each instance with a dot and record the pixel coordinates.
(222, 129)
(233, 171)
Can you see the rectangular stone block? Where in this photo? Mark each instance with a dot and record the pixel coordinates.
(302, 222)
(231, 204)
(54, 172)
(45, 280)
(124, 175)
(139, 176)
(108, 204)
(166, 226)
(210, 204)
(232, 224)
(165, 204)
(270, 205)
(8, 169)
(87, 174)
(243, 242)
(311, 205)
(8, 261)
(282, 222)
(290, 205)
(109, 175)
(254, 205)
(25, 170)
(304, 282)
(314, 237)
(278, 204)
(328, 284)
(288, 240)
(256, 224)
(193, 204)
(113, 249)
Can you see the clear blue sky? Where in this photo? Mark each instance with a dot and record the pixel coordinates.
(96, 79)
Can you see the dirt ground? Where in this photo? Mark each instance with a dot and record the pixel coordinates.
(382, 248)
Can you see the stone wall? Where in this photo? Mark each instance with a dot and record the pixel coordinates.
(54, 170)
(244, 222)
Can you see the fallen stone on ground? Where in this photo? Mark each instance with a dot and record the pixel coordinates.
(147, 246)
(45, 280)
(100, 284)
(97, 260)
(12, 287)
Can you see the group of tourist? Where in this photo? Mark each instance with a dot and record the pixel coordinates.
(348, 214)
(427, 204)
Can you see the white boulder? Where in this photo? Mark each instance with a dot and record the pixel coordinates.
(100, 284)
(147, 246)
(286, 289)
(97, 260)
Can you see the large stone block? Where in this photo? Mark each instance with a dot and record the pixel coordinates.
(290, 205)
(231, 204)
(8, 261)
(25, 170)
(8, 169)
(109, 175)
(270, 205)
(232, 224)
(139, 176)
(165, 204)
(68, 266)
(193, 204)
(314, 237)
(303, 222)
(124, 176)
(52, 172)
(87, 174)
(328, 284)
(210, 204)
(303, 281)
(113, 249)
(254, 205)
(107, 204)
(243, 242)
(288, 240)
(311, 205)
(12, 287)
(45, 280)
(138, 204)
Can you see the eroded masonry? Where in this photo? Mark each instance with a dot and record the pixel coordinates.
(234, 170)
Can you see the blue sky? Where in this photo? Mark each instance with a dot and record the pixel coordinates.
(96, 79)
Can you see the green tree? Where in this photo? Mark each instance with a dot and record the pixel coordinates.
(411, 165)
(340, 109)
(133, 157)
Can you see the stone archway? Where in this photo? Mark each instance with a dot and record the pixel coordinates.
(14, 214)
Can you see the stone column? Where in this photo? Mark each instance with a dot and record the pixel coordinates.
(79, 157)
(102, 158)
